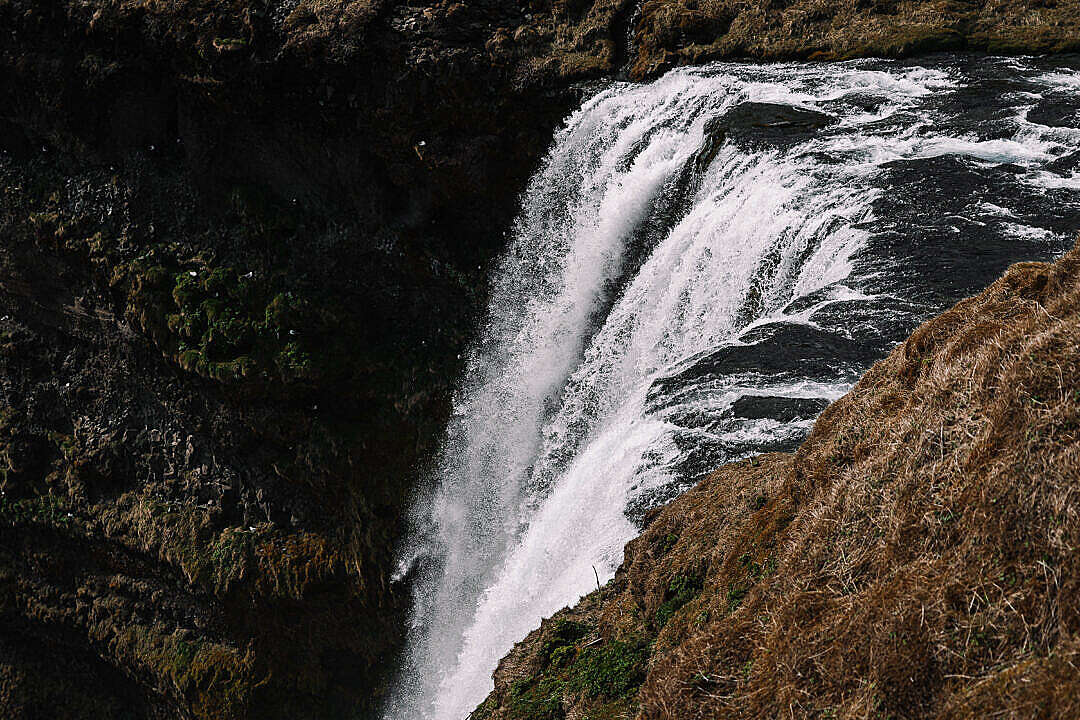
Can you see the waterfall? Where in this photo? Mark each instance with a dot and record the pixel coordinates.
(699, 265)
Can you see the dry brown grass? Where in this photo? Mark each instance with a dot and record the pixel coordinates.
(930, 565)
(567, 40)
(691, 31)
(915, 558)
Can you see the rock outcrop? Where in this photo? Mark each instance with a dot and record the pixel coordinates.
(914, 558)
(243, 246)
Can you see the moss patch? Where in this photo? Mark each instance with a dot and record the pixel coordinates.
(220, 323)
(215, 679)
(48, 510)
(681, 590)
(605, 676)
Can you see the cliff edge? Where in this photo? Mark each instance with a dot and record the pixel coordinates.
(914, 558)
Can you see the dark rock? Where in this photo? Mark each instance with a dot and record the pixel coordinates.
(780, 350)
(769, 123)
(879, 323)
(1055, 112)
(935, 231)
(1066, 165)
(782, 409)
(756, 123)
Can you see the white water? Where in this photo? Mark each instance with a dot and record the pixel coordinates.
(606, 287)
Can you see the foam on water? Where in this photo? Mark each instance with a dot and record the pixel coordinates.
(630, 262)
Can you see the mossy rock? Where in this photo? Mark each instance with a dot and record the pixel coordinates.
(610, 671)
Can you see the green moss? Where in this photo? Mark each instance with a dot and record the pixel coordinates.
(667, 542)
(681, 590)
(279, 563)
(193, 361)
(46, 509)
(230, 556)
(484, 710)
(735, 595)
(606, 675)
(157, 276)
(219, 324)
(610, 671)
(244, 325)
(561, 638)
(186, 291)
(537, 701)
(229, 44)
(214, 679)
(232, 370)
(563, 656)
(293, 361)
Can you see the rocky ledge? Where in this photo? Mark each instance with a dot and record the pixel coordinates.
(914, 558)
(243, 246)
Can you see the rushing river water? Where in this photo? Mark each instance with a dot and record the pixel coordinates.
(699, 266)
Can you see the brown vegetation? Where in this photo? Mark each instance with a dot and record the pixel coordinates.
(915, 558)
(677, 33)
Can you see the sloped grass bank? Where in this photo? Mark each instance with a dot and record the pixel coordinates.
(916, 557)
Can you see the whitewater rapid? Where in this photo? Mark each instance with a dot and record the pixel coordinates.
(678, 293)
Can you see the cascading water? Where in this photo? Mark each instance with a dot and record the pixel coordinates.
(700, 264)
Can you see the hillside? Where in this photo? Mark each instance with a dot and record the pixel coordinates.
(914, 558)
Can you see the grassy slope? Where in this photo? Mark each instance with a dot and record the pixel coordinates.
(915, 558)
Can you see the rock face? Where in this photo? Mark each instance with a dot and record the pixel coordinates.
(784, 409)
(243, 244)
(767, 124)
(240, 260)
(914, 557)
(779, 349)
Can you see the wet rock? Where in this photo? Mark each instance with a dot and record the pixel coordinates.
(781, 350)
(1067, 165)
(878, 323)
(934, 214)
(757, 123)
(771, 122)
(774, 407)
(1055, 112)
